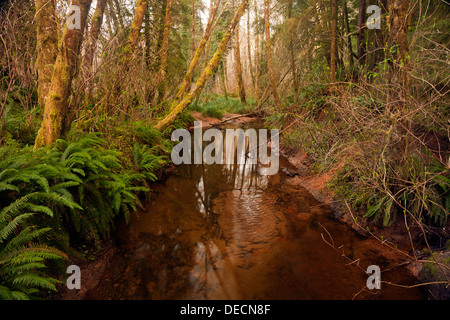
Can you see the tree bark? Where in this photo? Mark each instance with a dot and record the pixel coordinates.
(141, 7)
(349, 37)
(164, 52)
(224, 80)
(66, 65)
(292, 52)
(96, 24)
(207, 72)
(249, 49)
(238, 65)
(148, 36)
(195, 59)
(273, 81)
(108, 20)
(258, 46)
(119, 15)
(47, 46)
(193, 29)
(334, 48)
(399, 23)
(361, 41)
(208, 43)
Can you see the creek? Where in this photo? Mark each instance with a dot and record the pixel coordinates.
(225, 232)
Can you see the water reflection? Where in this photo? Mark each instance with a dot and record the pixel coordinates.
(229, 232)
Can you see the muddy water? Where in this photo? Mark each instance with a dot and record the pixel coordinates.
(227, 232)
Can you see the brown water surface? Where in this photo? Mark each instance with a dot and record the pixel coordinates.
(227, 232)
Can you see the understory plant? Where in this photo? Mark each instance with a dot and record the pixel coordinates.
(54, 200)
(385, 164)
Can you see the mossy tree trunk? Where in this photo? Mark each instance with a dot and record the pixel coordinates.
(258, 46)
(164, 52)
(349, 37)
(141, 8)
(224, 80)
(47, 46)
(193, 29)
(94, 32)
(238, 65)
(91, 50)
(273, 81)
(196, 57)
(208, 43)
(148, 22)
(119, 14)
(249, 49)
(399, 23)
(292, 53)
(108, 21)
(66, 67)
(207, 72)
(113, 16)
(361, 41)
(334, 47)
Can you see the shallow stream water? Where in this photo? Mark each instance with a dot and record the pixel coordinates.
(227, 232)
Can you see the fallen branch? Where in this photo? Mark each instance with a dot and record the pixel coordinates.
(251, 114)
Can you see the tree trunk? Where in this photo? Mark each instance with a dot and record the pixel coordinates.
(108, 20)
(195, 59)
(258, 46)
(136, 26)
(249, 49)
(292, 52)
(380, 38)
(193, 29)
(399, 23)
(119, 15)
(160, 37)
(334, 48)
(208, 43)
(47, 46)
(96, 24)
(148, 37)
(273, 81)
(238, 65)
(349, 37)
(361, 42)
(66, 65)
(224, 80)
(164, 52)
(207, 72)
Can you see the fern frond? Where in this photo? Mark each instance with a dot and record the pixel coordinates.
(5, 293)
(33, 280)
(18, 295)
(28, 234)
(7, 186)
(29, 254)
(7, 230)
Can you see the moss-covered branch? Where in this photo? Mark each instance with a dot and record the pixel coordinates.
(207, 72)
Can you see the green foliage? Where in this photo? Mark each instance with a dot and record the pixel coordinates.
(378, 171)
(27, 196)
(213, 112)
(20, 125)
(184, 120)
(67, 196)
(215, 106)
